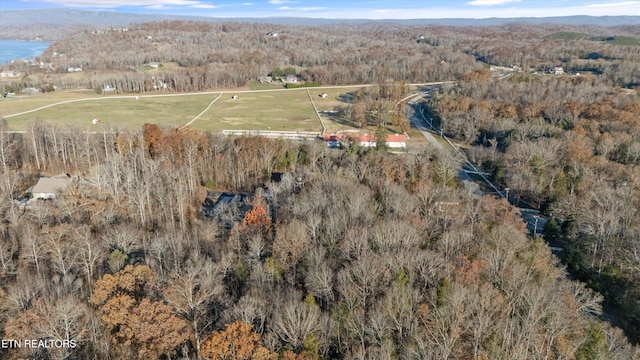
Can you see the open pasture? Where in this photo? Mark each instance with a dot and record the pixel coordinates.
(277, 110)
(118, 112)
(17, 103)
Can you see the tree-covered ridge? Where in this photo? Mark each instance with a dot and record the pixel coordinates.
(357, 259)
(196, 56)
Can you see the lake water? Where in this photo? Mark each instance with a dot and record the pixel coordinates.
(14, 49)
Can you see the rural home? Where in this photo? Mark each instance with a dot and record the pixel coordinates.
(558, 70)
(291, 79)
(366, 140)
(48, 188)
(396, 141)
(332, 140)
(393, 141)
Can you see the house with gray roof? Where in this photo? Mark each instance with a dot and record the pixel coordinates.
(48, 188)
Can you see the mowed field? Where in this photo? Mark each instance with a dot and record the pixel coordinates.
(275, 110)
(115, 112)
(278, 110)
(289, 110)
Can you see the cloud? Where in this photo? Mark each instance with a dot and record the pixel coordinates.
(615, 4)
(149, 4)
(279, 2)
(310, 8)
(206, 6)
(490, 2)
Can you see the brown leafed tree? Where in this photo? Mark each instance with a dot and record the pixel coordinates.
(132, 280)
(140, 327)
(154, 140)
(237, 341)
(257, 218)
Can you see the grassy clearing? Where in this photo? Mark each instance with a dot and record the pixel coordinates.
(335, 97)
(20, 103)
(621, 40)
(289, 110)
(567, 35)
(614, 40)
(119, 113)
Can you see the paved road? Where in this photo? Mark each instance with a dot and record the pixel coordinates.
(420, 122)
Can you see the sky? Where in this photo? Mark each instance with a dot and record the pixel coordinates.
(346, 9)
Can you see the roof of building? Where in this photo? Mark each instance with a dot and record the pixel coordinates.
(397, 138)
(332, 137)
(52, 185)
(366, 138)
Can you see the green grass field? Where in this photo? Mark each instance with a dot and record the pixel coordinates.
(614, 40)
(114, 112)
(262, 110)
(15, 104)
(288, 110)
(567, 35)
(621, 40)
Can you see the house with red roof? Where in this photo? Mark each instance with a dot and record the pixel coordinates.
(396, 141)
(393, 141)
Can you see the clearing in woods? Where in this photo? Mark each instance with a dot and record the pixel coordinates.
(269, 109)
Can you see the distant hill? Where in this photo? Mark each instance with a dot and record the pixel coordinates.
(51, 24)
